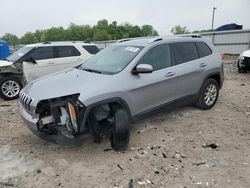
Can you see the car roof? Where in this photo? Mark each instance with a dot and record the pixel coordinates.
(161, 39)
(61, 43)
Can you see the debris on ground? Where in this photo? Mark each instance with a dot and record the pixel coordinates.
(7, 184)
(131, 184)
(144, 182)
(212, 146)
(119, 166)
(108, 149)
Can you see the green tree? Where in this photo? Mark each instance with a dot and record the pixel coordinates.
(79, 32)
(101, 35)
(28, 38)
(55, 34)
(101, 31)
(11, 39)
(179, 30)
(39, 35)
(148, 30)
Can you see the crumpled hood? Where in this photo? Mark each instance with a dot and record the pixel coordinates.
(71, 81)
(4, 63)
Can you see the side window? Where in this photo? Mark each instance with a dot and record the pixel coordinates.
(91, 49)
(67, 51)
(43, 53)
(203, 48)
(184, 52)
(159, 57)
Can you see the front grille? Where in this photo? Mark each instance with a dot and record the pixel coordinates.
(25, 100)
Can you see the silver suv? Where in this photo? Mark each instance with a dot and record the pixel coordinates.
(120, 84)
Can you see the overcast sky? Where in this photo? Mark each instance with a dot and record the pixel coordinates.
(21, 16)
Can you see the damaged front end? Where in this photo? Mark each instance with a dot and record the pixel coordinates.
(61, 115)
(64, 120)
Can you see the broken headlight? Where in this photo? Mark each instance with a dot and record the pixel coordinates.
(73, 115)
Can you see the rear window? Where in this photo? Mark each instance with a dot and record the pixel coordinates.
(203, 48)
(91, 49)
(67, 51)
(184, 52)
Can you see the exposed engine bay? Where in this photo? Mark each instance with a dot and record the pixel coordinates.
(69, 117)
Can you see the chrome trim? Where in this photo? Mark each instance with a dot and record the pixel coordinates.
(26, 100)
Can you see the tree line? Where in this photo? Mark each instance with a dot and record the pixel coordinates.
(103, 30)
(99, 32)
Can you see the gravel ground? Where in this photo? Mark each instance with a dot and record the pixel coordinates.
(183, 148)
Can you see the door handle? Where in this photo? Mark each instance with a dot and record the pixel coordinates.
(50, 63)
(203, 64)
(169, 74)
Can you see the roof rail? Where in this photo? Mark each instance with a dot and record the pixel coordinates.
(155, 39)
(123, 40)
(191, 35)
(47, 42)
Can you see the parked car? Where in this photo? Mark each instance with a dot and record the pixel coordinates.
(36, 60)
(120, 84)
(243, 62)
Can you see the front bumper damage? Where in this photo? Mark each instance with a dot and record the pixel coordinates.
(52, 121)
(65, 120)
(244, 62)
(58, 138)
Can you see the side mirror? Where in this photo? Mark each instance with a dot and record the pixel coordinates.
(142, 68)
(31, 60)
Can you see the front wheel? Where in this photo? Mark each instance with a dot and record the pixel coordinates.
(208, 95)
(10, 88)
(120, 133)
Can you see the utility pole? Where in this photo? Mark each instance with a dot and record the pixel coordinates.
(214, 8)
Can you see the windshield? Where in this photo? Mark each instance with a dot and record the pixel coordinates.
(111, 60)
(19, 53)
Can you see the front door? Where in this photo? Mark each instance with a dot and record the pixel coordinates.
(151, 90)
(44, 57)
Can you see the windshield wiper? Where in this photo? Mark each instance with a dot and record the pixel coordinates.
(92, 70)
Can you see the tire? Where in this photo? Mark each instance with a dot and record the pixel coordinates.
(10, 88)
(120, 133)
(208, 95)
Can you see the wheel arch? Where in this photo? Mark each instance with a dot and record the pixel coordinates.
(216, 76)
(110, 101)
(15, 76)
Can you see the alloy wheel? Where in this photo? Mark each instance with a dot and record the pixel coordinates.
(10, 88)
(210, 94)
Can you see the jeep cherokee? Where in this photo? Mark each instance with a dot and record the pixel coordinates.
(120, 84)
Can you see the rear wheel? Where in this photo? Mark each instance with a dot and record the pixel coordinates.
(120, 133)
(208, 95)
(10, 88)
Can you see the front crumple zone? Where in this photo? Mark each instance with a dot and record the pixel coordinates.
(68, 117)
(61, 115)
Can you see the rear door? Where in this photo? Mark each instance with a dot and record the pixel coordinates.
(66, 57)
(188, 69)
(154, 89)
